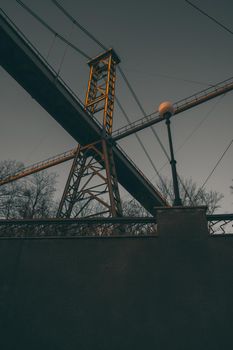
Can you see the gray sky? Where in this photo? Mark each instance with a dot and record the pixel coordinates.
(168, 52)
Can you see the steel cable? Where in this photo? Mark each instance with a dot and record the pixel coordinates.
(56, 3)
(210, 17)
(51, 46)
(140, 142)
(214, 168)
(216, 165)
(64, 55)
(38, 18)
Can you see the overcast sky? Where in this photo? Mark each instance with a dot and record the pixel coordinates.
(168, 51)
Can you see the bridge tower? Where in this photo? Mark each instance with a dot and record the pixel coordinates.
(92, 183)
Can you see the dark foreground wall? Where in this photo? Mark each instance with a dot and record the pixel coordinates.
(116, 293)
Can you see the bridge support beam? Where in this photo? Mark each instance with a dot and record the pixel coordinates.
(88, 191)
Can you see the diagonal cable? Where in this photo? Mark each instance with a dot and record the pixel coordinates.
(140, 141)
(210, 17)
(64, 55)
(142, 109)
(46, 25)
(214, 168)
(216, 165)
(68, 15)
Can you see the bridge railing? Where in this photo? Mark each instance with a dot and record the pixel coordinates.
(74, 228)
(179, 106)
(219, 225)
(205, 94)
(136, 124)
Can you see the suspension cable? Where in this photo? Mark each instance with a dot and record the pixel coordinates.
(142, 109)
(170, 77)
(64, 54)
(140, 142)
(46, 25)
(51, 46)
(214, 168)
(216, 165)
(56, 3)
(210, 17)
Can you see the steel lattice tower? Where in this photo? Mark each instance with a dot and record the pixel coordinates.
(92, 182)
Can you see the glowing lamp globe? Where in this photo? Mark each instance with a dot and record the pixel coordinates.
(166, 108)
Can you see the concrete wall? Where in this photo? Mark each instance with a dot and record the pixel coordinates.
(116, 293)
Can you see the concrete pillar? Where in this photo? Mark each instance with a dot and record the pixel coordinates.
(182, 222)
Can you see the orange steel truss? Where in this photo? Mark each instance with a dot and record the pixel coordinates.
(92, 186)
(101, 87)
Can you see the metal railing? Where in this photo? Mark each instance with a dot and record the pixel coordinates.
(203, 94)
(136, 124)
(179, 106)
(74, 228)
(41, 165)
(219, 225)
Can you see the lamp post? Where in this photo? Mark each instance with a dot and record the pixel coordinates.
(166, 110)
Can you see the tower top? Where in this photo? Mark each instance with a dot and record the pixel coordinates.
(105, 55)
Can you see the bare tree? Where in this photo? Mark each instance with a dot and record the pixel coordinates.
(191, 194)
(30, 197)
(11, 192)
(133, 208)
(37, 200)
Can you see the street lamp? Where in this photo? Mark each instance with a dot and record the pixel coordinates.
(166, 110)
